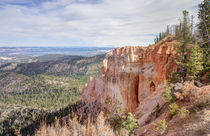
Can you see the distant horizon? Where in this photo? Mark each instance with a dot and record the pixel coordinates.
(40, 51)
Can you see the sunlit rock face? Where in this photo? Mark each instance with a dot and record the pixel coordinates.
(134, 76)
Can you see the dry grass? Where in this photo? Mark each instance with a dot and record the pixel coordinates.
(74, 128)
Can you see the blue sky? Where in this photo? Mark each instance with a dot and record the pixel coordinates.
(87, 22)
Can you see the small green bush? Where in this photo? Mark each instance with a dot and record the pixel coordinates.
(129, 122)
(161, 126)
(167, 93)
(183, 112)
(118, 119)
(173, 109)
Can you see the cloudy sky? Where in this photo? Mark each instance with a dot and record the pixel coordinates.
(87, 22)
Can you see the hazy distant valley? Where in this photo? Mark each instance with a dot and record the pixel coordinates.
(31, 54)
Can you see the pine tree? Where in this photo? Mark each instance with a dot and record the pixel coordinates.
(167, 30)
(156, 39)
(162, 35)
(184, 37)
(194, 62)
(204, 30)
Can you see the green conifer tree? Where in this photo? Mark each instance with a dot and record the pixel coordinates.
(204, 30)
(194, 62)
(184, 37)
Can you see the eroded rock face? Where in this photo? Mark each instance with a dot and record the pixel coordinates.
(134, 76)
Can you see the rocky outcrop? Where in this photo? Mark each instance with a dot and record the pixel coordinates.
(134, 76)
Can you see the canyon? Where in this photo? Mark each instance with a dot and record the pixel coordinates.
(133, 75)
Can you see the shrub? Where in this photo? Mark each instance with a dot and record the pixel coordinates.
(183, 112)
(118, 119)
(167, 93)
(173, 109)
(161, 126)
(129, 122)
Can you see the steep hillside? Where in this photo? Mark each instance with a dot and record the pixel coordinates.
(134, 76)
(197, 123)
(64, 65)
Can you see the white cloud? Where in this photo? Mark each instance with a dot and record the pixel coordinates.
(93, 22)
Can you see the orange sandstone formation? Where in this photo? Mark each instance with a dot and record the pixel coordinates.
(134, 76)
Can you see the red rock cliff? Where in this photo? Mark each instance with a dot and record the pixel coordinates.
(134, 76)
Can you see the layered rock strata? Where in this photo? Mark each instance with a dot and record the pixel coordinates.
(134, 76)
